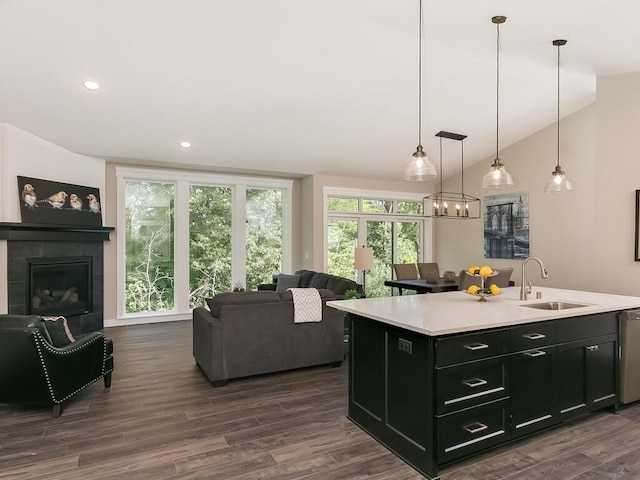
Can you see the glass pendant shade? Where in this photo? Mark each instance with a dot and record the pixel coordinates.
(558, 183)
(497, 177)
(420, 169)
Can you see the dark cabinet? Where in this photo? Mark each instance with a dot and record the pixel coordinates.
(587, 376)
(367, 367)
(434, 400)
(532, 384)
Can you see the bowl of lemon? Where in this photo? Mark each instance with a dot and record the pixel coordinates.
(482, 291)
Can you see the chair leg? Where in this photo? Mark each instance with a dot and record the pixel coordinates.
(107, 380)
(57, 410)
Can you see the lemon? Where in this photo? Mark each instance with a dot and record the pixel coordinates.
(485, 271)
(495, 290)
(474, 270)
(473, 289)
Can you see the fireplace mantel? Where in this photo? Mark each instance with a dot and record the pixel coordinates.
(42, 231)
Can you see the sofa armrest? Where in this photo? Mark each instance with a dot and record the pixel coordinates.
(207, 344)
(75, 366)
(267, 286)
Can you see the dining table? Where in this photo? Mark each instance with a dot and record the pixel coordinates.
(423, 286)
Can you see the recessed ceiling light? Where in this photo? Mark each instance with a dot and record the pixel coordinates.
(185, 144)
(91, 85)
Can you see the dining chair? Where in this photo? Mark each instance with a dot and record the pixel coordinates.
(405, 271)
(428, 270)
(467, 280)
(502, 278)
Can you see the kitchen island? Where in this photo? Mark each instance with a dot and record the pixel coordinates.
(439, 377)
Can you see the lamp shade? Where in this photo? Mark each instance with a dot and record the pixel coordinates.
(363, 258)
(498, 177)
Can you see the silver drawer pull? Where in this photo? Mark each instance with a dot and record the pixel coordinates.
(476, 346)
(475, 382)
(475, 427)
(534, 336)
(535, 353)
(592, 348)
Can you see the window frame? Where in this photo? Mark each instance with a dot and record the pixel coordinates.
(183, 180)
(427, 223)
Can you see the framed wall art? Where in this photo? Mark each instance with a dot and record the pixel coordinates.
(506, 226)
(44, 201)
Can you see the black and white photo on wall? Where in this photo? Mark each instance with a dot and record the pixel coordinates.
(44, 201)
(506, 225)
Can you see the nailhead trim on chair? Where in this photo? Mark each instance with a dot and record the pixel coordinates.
(41, 342)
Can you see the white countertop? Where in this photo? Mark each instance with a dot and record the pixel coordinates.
(436, 314)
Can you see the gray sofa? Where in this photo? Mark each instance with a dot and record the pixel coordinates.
(311, 279)
(251, 333)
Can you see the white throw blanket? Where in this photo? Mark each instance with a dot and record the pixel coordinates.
(307, 305)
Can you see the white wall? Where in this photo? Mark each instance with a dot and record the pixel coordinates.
(586, 237)
(26, 155)
(561, 226)
(23, 154)
(618, 123)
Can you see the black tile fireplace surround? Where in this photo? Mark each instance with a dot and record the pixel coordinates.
(26, 242)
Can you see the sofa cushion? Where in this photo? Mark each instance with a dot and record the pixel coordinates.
(339, 285)
(58, 331)
(324, 295)
(319, 280)
(240, 298)
(305, 277)
(287, 281)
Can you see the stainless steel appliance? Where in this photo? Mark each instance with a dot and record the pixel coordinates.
(630, 358)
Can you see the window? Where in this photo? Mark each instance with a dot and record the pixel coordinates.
(186, 237)
(209, 242)
(394, 228)
(149, 246)
(264, 235)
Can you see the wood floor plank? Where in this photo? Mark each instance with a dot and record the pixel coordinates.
(162, 420)
(624, 467)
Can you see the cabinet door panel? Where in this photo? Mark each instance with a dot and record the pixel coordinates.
(532, 390)
(471, 346)
(407, 402)
(472, 430)
(533, 335)
(469, 384)
(602, 381)
(368, 366)
(571, 380)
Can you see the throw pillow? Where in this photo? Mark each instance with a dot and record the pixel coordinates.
(58, 331)
(287, 281)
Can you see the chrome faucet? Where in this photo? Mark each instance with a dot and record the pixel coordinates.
(524, 289)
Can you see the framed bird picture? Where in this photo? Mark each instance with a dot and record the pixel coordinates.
(44, 201)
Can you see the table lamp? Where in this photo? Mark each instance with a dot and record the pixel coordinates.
(363, 260)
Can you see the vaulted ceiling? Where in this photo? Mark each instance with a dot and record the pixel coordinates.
(298, 87)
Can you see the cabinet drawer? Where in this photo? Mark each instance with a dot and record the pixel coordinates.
(533, 335)
(472, 346)
(469, 384)
(472, 430)
(587, 326)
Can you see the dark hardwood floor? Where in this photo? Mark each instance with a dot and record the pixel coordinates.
(162, 420)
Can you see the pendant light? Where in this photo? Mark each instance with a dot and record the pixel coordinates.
(498, 177)
(558, 183)
(452, 204)
(420, 168)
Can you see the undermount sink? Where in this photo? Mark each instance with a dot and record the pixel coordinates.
(554, 305)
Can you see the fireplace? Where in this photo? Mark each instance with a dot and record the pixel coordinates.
(56, 270)
(59, 286)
